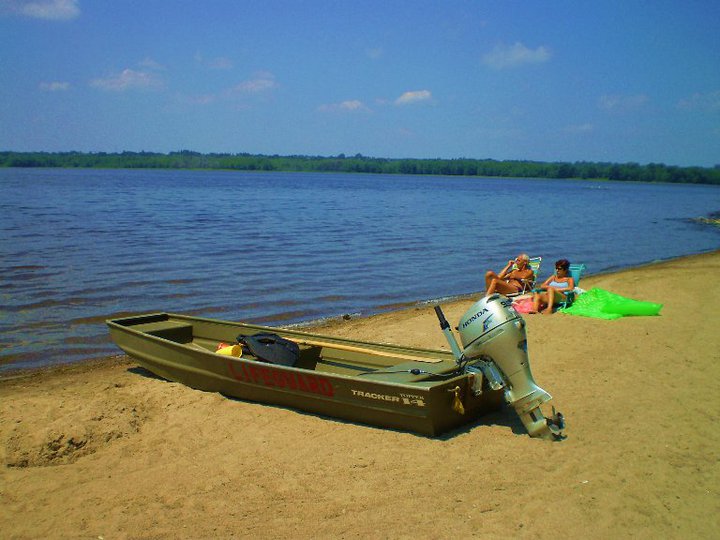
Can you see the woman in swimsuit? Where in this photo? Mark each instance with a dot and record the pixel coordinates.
(553, 288)
(509, 280)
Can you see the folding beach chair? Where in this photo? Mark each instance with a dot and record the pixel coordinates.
(529, 284)
(576, 272)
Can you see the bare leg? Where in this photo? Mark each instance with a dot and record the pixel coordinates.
(498, 285)
(550, 301)
(489, 277)
(537, 297)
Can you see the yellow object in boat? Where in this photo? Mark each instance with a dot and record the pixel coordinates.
(231, 350)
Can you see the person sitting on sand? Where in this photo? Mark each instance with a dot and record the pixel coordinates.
(553, 288)
(509, 280)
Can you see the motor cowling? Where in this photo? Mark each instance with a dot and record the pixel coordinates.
(492, 335)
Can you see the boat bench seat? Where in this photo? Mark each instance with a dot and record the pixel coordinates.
(173, 331)
(309, 356)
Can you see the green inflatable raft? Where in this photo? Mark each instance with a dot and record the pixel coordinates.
(602, 304)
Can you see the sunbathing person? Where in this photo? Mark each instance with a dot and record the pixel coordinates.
(510, 279)
(553, 288)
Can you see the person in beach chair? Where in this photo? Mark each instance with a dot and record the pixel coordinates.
(515, 278)
(553, 291)
(576, 271)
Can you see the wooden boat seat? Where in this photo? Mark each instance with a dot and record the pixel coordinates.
(170, 330)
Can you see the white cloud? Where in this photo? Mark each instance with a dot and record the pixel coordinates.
(353, 105)
(414, 96)
(374, 53)
(129, 79)
(616, 102)
(504, 56)
(708, 102)
(238, 97)
(56, 10)
(263, 82)
(149, 63)
(54, 86)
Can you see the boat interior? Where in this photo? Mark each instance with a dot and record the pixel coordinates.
(317, 353)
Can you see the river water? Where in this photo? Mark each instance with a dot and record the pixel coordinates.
(80, 246)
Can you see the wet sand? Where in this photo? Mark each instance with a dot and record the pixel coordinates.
(104, 451)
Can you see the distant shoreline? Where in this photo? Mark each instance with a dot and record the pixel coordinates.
(581, 170)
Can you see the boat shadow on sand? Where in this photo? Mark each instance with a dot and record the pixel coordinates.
(505, 417)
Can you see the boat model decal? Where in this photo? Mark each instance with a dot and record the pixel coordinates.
(405, 399)
(261, 374)
(410, 399)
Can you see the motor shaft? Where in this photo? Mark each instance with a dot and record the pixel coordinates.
(445, 327)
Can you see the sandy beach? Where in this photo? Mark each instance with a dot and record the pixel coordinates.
(101, 450)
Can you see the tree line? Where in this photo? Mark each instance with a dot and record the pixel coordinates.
(186, 159)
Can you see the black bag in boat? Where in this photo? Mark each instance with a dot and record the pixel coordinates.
(271, 348)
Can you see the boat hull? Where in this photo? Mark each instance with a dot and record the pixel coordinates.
(410, 389)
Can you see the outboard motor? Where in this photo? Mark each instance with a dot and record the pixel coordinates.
(494, 343)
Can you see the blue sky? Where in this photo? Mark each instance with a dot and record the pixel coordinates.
(620, 81)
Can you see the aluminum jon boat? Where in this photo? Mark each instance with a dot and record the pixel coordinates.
(419, 390)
